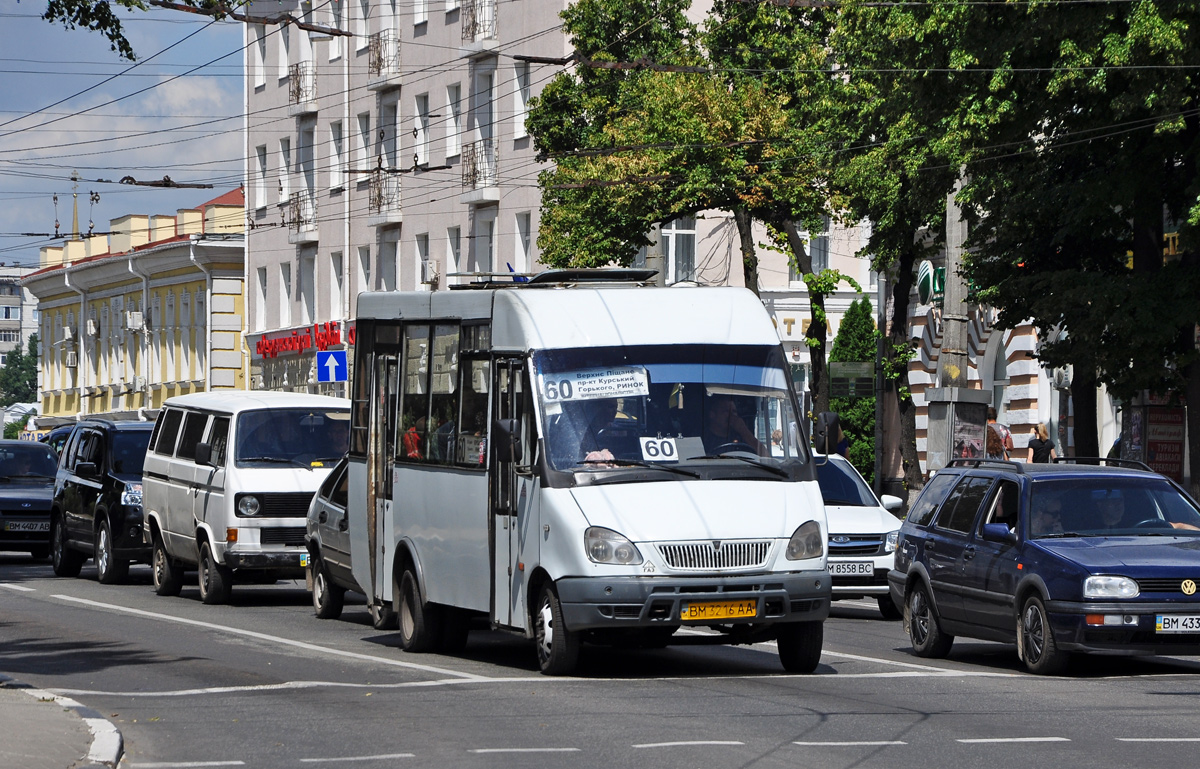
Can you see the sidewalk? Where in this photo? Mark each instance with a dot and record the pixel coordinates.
(39, 730)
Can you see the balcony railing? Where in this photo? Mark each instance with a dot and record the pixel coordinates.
(478, 20)
(383, 59)
(302, 84)
(302, 216)
(383, 199)
(479, 164)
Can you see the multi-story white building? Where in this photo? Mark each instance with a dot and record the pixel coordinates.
(18, 311)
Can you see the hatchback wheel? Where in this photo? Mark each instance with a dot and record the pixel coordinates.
(109, 569)
(67, 562)
(928, 638)
(1036, 640)
(328, 598)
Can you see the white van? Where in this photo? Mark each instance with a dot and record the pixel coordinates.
(580, 458)
(227, 483)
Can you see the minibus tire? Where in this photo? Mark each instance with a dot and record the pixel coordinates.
(416, 620)
(800, 646)
(328, 599)
(216, 581)
(557, 647)
(168, 575)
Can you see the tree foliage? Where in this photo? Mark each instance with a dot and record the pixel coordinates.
(18, 377)
(856, 342)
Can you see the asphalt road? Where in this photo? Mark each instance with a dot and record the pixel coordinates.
(262, 683)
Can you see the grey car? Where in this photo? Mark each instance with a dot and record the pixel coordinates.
(327, 538)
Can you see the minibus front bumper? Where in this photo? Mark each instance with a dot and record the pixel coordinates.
(643, 602)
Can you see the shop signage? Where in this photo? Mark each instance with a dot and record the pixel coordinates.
(1164, 441)
(321, 336)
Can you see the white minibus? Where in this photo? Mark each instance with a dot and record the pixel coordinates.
(583, 458)
(227, 482)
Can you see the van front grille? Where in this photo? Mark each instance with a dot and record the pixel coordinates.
(285, 505)
(289, 535)
(712, 555)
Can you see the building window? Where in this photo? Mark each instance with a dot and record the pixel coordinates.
(521, 105)
(364, 268)
(258, 53)
(285, 298)
(679, 249)
(424, 271)
(308, 289)
(362, 26)
(285, 167)
(260, 178)
(285, 46)
(336, 21)
(485, 242)
(420, 12)
(11, 313)
(260, 306)
(337, 286)
(421, 130)
(387, 265)
(453, 120)
(337, 171)
(453, 250)
(818, 246)
(522, 260)
(363, 148)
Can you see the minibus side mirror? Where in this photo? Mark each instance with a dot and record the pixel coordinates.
(508, 440)
(204, 454)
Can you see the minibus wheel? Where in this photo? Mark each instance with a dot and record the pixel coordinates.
(800, 646)
(417, 622)
(216, 581)
(557, 647)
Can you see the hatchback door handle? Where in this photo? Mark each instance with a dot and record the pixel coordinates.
(323, 517)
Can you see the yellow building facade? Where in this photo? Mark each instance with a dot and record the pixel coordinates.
(151, 310)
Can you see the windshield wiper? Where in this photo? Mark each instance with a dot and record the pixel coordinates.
(29, 475)
(640, 463)
(278, 461)
(770, 468)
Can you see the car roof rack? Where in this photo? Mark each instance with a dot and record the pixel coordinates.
(565, 277)
(995, 464)
(1133, 464)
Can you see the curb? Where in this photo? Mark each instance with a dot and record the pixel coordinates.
(107, 743)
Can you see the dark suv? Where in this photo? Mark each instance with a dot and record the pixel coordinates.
(1058, 558)
(97, 508)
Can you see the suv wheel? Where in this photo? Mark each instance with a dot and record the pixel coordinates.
(67, 562)
(928, 638)
(216, 581)
(109, 569)
(168, 575)
(1036, 640)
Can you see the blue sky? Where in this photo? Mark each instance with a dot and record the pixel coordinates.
(106, 132)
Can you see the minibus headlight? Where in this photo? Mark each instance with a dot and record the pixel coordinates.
(132, 494)
(248, 506)
(807, 542)
(607, 546)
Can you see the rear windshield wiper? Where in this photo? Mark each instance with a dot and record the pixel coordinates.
(770, 468)
(641, 463)
(277, 461)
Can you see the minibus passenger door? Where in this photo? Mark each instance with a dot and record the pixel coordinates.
(510, 489)
(380, 459)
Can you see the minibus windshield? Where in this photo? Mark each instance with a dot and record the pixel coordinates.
(299, 437)
(678, 405)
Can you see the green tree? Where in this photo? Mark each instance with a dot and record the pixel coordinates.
(855, 342)
(18, 378)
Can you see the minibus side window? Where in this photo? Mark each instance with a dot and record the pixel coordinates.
(360, 424)
(443, 394)
(414, 409)
(473, 417)
(169, 432)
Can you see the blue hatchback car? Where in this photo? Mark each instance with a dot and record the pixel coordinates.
(1079, 556)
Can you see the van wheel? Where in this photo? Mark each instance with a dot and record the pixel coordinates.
(557, 647)
(924, 631)
(887, 607)
(418, 623)
(328, 598)
(800, 646)
(109, 569)
(1042, 656)
(216, 581)
(168, 575)
(66, 561)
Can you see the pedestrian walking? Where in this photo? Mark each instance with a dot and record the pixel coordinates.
(1041, 448)
(999, 437)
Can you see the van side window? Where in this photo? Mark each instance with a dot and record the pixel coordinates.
(959, 511)
(218, 438)
(922, 511)
(170, 431)
(193, 431)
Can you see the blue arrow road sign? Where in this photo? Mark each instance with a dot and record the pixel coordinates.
(331, 366)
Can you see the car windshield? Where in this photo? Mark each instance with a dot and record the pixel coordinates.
(27, 461)
(300, 437)
(660, 405)
(129, 450)
(841, 485)
(1107, 506)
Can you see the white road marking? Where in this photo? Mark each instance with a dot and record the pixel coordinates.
(11, 586)
(991, 740)
(864, 743)
(382, 757)
(1158, 739)
(271, 638)
(524, 750)
(185, 764)
(687, 742)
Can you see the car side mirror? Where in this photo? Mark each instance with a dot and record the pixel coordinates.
(507, 443)
(204, 454)
(998, 532)
(890, 502)
(86, 469)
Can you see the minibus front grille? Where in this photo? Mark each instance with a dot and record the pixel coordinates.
(712, 555)
(292, 504)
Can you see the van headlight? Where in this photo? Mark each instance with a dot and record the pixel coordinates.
(807, 542)
(607, 546)
(132, 494)
(892, 541)
(248, 506)
(1110, 587)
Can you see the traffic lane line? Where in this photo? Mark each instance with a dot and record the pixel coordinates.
(382, 757)
(185, 764)
(21, 588)
(849, 744)
(994, 740)
(525, 750)
(682, 743)
(267, 637)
